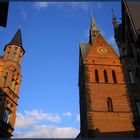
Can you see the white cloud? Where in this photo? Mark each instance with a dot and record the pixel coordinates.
(47, 131)
(67, 114)
(78, 118)
(41, 5)
(29, 118)
(28, 126)
(85, 6)
(82, 5)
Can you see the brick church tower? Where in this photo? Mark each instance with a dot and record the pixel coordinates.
(104, 103)
(10, 79)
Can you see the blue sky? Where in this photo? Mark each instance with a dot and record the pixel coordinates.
(51, 34)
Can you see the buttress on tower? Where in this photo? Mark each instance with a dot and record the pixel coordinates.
(10, 79)
(104, 103)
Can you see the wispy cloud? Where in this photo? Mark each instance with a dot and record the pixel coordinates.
(78, 118)
(82, 5)
(22, 11)
(23, 14)
(28, 118)
(67, 114)
(41, 5)
(85, 6)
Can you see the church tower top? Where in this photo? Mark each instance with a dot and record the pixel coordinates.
(16, 40)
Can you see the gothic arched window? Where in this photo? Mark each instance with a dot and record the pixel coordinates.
(109, 104)
(114, 76)
(105, 76)
(96, 76)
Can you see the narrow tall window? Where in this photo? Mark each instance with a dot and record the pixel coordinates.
(114, 76)
(105, 76)
(8, 53)
(15, 53)
(12, 85)
(16, 87)
(131, 77)
(6, 116)
(138, 107)
(4, 79)
(96, 76)
(109, 104)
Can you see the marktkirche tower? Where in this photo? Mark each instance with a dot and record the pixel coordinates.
(10, 80)
(104, 104)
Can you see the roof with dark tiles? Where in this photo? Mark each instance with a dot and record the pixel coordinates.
(16, 40)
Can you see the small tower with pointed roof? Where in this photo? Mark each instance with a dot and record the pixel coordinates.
(10, 80)
(104, 105)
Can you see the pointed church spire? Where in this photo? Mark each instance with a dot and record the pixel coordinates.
(93, 30)
(93, 25)
(16, 40)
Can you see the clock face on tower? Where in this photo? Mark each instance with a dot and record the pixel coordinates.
(101, 50)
